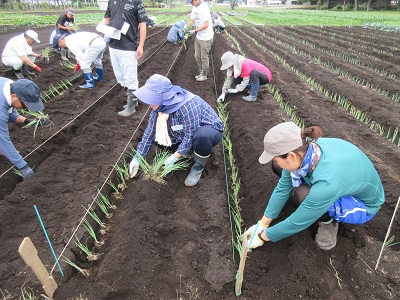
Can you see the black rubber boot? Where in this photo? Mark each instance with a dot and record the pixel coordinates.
(25, 70)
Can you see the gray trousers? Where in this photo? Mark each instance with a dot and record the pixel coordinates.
(201, 54)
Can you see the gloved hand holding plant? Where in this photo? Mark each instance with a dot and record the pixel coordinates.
(133, 167)
(45, 121)
(253, 232)
(221, 98)
(27, 172)
(169, 162)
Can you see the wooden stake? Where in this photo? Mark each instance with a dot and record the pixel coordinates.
(30, 255)
(239, 275)
(387, 233)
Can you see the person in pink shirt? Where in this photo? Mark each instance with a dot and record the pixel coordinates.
(245, 73)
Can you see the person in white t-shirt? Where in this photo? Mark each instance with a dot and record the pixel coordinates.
(201, 18)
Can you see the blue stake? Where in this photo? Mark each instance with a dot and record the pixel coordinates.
(48, 240)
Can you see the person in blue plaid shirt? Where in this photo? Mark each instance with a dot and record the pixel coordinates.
(179, 121)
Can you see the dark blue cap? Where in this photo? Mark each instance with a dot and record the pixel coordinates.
(56, 39)
(28, 92)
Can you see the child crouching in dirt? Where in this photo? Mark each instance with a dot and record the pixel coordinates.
(179, 121)
(331, 181)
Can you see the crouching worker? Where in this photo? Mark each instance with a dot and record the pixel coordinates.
(218, 25)
(18, 54)
(19, 94)
(175, 34)
(331, 181)
(180, 121)
(247, 74)
(88, 48)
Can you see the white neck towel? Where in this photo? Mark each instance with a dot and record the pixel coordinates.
(162, 136)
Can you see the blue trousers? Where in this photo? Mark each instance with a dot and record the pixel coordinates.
(350, 210)
(204, 139)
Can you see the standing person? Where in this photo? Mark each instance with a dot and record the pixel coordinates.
(18, 54)
(180, 121)
(175, 34)
(201, 18)
(64, 25)
(88, 48)
(245, 73)
(331, 181)
(19, 94)
(128, 17)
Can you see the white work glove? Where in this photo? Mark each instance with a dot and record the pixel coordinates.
(252, 234)
(221, 98)
(133, 167)
(232, 91)
(255, 242)
(191, 32)
(169, 162)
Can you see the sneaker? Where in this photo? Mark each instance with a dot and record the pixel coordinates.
(249, 98)
(326, 236)
(201, 78)
(197, 76)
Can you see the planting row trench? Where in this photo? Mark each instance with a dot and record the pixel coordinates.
(296, 263)
(68, 167)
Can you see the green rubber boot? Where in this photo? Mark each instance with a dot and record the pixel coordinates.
(197, 169)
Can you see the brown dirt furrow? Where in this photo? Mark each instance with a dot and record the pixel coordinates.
(170, 241)
(360, 72)
(341, 86)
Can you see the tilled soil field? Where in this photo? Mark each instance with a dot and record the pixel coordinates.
(174, 242)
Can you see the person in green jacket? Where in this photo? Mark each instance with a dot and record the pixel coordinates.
(331, 181)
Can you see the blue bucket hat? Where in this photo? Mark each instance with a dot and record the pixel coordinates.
(157, 89)
(28, 92)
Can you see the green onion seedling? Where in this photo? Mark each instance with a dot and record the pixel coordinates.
(91, 256)
(84, 272)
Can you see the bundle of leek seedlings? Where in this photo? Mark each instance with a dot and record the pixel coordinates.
(158, 171)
